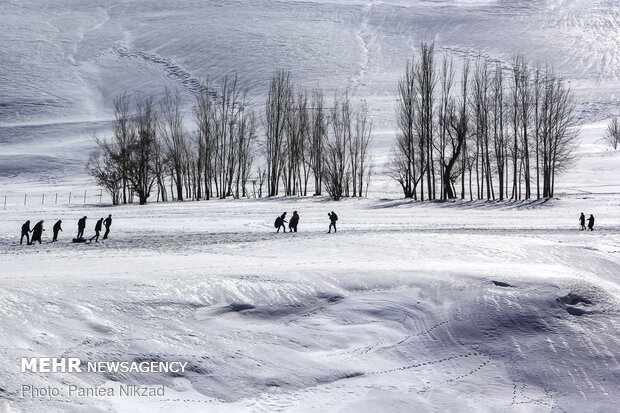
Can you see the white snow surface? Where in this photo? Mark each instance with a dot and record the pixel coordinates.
(412, 306)
(446, 306)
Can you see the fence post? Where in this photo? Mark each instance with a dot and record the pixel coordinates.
(5, 202)
(56, 201)
(84, 197)
(25, 198)
(69, 197)
(42, 199)
(100, 195)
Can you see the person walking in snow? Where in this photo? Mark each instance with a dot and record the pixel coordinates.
(591, 223)
(280, 221)
(57, 228)
(98, 226)
(292, 225)
(25, 233)
(37, 231)
(582, 221)
(81, 227)
(107, 223)
(332, 221)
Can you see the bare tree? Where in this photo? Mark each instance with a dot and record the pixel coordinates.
(335, 163)
(426, 81)
(174, 137)
(560, 130)
(612, 134)
(457, 129)
(402, 167)
(274, 124)
(317, 136)
(359, 149)
(122, 138)
(500, 141)
(142, 150)
(245, 141)
(106, 171)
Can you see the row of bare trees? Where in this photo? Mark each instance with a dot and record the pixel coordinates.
(497, 133)
(304, 139)
(307, 146)
(151, 149)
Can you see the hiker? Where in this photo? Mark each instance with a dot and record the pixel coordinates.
(591, 223)
(280, 221)
(97, 230)
(57, 228)
(37, 231)
(582, 221)
(292, 225)
(107, 223)
(81, 227)
(332, 218)
(25, 232)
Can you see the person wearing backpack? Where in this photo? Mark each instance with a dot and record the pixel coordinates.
(332, 218)
(280, 221)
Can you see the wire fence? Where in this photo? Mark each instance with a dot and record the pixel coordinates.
(76, 197)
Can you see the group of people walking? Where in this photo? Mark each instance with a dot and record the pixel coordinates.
(280, 223)
(294, 221)
(582, 222)
(37, 230)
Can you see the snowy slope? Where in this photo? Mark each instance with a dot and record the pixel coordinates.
(64, 61)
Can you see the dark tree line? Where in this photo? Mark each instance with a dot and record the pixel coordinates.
(480, 132)
(151, 149)
(306, 146)
(487, 133)
(307, 143)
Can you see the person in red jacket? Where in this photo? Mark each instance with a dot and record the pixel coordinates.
(292, 225)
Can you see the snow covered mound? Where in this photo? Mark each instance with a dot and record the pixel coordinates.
(64, 61)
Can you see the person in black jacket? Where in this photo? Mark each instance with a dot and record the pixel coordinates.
(292, 225)
(57, 228)
(37, 231)
(107, 223)
(280, 221)
(25, 233)
(591, 223)
(582, 221)
(98, 226)
(332, 221)
(81, 227)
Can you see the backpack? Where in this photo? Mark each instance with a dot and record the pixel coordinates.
(278, 222)
(334, 217)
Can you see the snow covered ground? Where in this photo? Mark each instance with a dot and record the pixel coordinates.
(440, 306)
(456, 306)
